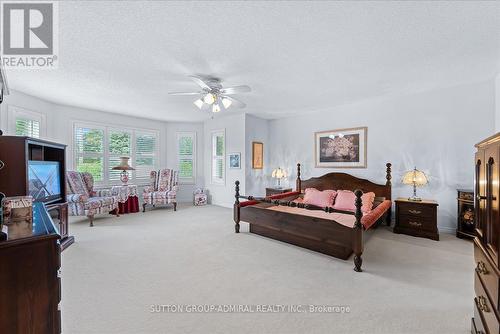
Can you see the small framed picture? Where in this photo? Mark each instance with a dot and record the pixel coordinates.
(235, 160)
(257, 155)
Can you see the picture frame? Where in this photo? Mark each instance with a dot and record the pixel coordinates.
(257, 155)
(235, 160)
(341, 148)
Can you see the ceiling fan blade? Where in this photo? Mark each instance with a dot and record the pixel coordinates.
(184, 93)
(200, 82)
(235, 102)
(236, 89)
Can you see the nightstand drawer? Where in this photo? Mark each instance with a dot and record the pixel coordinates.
(416, 210)
(416, 223)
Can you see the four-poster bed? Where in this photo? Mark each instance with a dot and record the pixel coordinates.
(327, 230)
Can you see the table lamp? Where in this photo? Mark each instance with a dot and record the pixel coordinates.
(279, 174)
(124, 167)
(415, 178)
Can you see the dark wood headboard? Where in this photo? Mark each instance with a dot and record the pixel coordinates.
(337, 181)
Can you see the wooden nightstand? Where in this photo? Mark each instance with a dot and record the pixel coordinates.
(275, 191)
(418, 219)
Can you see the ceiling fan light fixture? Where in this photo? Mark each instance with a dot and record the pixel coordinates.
(226, 102)
(209, 98)
(199, 103)
(215, 108)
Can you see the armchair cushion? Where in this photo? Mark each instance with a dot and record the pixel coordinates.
(77, 198)
(102, 193)
(75, 183)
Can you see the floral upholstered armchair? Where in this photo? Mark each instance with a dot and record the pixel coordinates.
(162, 188)
(83, 200)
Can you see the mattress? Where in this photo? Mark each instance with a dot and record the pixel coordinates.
(368, 219)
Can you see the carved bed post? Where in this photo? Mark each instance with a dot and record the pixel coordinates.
(298, 182)
(388, 183)
(236, 207)
(358, 232)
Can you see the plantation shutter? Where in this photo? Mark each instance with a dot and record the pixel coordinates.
(145, 154)
(218, 154)
(186, 153)
(119, 143)
(89, 151)
(27, 127)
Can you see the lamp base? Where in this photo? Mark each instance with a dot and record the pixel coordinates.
(415, 199)
(124, 177)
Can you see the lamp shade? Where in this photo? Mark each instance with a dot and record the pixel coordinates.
(415, 177)
(123, 164)
(279, 173)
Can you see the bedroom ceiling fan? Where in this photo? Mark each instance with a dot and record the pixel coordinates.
(213, 96)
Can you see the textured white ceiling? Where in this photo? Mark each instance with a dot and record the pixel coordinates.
(298, 57)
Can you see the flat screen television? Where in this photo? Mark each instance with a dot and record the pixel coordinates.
(44, 181)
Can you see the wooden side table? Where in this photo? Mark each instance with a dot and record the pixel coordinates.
(276, 191)
(418, 219)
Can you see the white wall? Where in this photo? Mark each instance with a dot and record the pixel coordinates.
(256, 180)
(59, 128)
(435, 131)
(234, 126)
(497, 103)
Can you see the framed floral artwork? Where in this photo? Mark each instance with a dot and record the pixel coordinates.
(342, 148)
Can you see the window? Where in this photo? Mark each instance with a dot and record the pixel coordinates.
(145, 158)
(89, 151)
(186, 153)
(120, 145)
(98, 149)
(27, 127)
(23, 122)
(218, 154)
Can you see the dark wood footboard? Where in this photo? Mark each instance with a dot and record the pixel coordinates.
(320, 235)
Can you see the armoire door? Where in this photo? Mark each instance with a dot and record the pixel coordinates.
(480, 194)
(492, 198)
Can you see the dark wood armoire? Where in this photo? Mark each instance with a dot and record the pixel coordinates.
(486, 242)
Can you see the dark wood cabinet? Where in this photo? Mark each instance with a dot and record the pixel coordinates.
(416, 218)
(30, 286)
(465, 214)
(276, 191)
(59, 214)
(16, 152)
(486, 243)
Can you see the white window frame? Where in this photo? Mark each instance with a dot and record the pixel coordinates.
(107, 134)
(179, 135)
(15, 112)
(213, 151)
(106, 154)
(76, 155)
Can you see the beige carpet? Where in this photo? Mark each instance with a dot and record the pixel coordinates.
(119, 268)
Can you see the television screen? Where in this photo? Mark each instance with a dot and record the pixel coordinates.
(44, 180)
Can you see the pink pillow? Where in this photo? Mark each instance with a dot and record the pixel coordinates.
(345, 201)
(320, 198)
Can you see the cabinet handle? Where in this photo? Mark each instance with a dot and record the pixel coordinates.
(417, 224)
(479, 198)
(415, 212)
(481, 268)
(482, 304)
